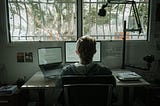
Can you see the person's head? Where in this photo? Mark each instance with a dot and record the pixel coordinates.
(86, 48)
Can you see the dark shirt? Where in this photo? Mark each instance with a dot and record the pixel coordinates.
(90, 69)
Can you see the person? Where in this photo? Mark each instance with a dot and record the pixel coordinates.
(85, 49)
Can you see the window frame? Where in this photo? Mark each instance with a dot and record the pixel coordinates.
(79, 24)
(30, 41)
(147, 30)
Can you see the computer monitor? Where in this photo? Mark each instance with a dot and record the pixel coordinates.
(49, 56)
(71, 56)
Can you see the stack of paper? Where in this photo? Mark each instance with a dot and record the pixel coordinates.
(128, 76)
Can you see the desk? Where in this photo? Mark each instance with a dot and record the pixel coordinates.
(140, 82)
(38, 82)
(128, 87)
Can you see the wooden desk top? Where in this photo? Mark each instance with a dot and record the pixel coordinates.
(38, 81)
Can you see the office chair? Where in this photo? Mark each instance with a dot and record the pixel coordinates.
(88, 90)
(89, 79)
(88, 94)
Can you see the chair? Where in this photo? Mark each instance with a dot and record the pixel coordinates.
(88, 90)
(93, 79)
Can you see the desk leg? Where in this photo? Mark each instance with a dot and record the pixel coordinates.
(41, 94)
(128, 96)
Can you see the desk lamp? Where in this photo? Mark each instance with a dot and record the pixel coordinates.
(102, 12)
(148, 58)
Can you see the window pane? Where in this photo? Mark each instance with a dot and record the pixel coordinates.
(42, 20)
(110, 27)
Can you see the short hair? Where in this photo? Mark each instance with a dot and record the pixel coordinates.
(86, 47)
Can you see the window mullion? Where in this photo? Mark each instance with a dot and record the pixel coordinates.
(27, 19)
(61, 13)
(46, 19)
(96, 21)
(79, 18)
(35, 30)
(13, 22)
(89, 19)
(140, 19)
(110, 21)
(19, 34)
(130, 20)
(117, 18)
(123, 14)
(103, 25)
(69, 20)
(41, 35)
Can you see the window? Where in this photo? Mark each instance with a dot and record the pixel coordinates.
(110, 27)
(42, 20)
(56, 20)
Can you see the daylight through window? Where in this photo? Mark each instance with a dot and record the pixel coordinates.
(56, 20)
(110, 27)
(42, 20)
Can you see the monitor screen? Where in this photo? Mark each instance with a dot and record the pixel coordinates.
(49, 55)
(71, 56)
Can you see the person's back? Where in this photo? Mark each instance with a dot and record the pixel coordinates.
(85, 49)
(89, 69)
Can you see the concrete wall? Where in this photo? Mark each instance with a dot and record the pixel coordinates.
(111, 52)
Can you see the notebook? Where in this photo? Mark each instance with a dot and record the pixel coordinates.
(50, 61)
(127, 76)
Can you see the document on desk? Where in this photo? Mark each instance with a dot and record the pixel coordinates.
(126, 76)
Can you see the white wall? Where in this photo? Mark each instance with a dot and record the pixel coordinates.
(136, 50)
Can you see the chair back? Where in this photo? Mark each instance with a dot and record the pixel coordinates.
(83, 79)
(88, 90)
